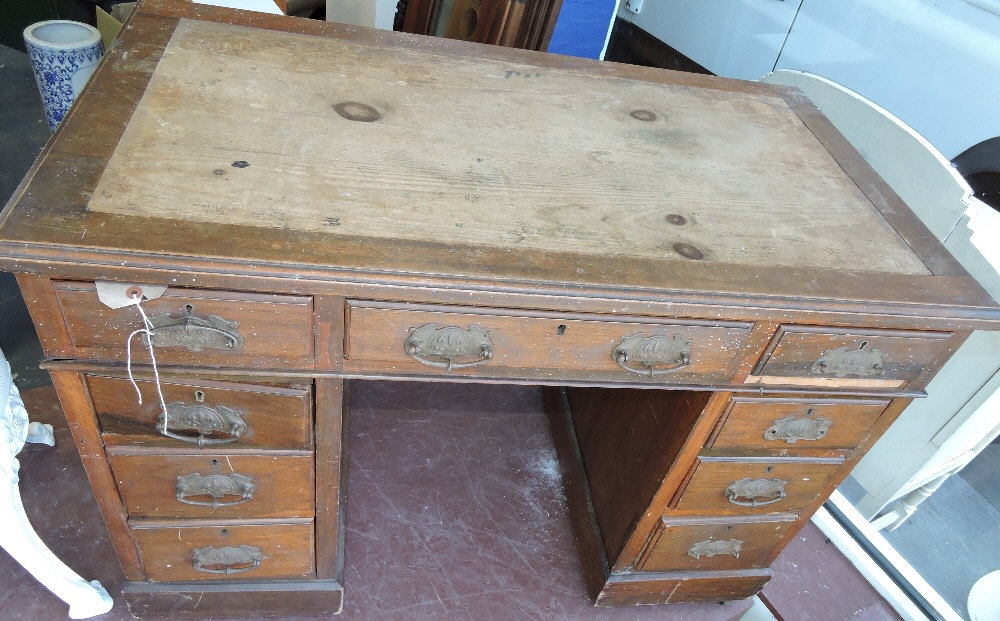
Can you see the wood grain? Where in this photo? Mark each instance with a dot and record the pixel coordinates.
(747, 419)
(277, 417)
(167, 549)
(282, 484)
(558, 343)
(673, 542)
(482, 152)
(704, 494)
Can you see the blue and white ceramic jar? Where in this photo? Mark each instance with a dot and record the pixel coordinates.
(63, 55)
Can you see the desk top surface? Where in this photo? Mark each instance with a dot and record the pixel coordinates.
(248, 126)
(275, 142)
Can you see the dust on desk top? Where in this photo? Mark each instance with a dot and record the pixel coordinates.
(252, 127)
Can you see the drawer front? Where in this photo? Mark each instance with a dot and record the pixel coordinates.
(224, 552)
(193, 327)
(215, 485)
(385, 338)
(803, 355)
(755, 487)
(202, 414)
(790, 426)
(687, 546)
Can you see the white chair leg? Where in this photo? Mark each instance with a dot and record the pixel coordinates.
(41, 434)
(17, 537)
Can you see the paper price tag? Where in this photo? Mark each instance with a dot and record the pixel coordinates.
(120, 295)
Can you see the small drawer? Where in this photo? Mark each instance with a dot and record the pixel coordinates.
(210, 415)
(810, 356)
(754, 487)
(788, 426)
(193, 327)
(385, 337)
(214, 485)
(693, 545)
(225, 552)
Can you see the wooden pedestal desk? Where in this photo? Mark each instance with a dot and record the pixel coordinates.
(726, 305)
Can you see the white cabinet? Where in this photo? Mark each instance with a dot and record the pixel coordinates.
(935, 64)
(739, 39)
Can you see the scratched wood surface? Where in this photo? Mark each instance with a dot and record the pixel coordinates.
(252, 127)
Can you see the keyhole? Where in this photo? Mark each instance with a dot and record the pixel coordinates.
(199, 396)
(224, 532)
(863, 344)
(561, 329)
(189, 309)
(769, 469)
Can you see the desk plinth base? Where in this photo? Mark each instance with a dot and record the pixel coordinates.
(190, 600)
(680, 587)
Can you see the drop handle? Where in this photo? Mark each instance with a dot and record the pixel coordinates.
(201, 424)
(754, 493)
(216, 487)
(194, 332)
(449, 347)
(226, 560)
(652, 355)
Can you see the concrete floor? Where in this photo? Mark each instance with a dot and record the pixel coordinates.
(812, 580)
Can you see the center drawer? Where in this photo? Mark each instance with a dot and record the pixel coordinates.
(458, 341)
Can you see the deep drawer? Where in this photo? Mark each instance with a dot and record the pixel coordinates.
(810, 356)
(714, 545)
(203, 414)
(215, 485)
(738, 487)
(226, 552)
(790, 426)
(194, 327)
(452, 341)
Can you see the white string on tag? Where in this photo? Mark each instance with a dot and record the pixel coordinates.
(147, 329)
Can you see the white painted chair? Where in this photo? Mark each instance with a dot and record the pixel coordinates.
(936, 436)
(17, 537)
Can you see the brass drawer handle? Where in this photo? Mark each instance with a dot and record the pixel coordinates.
(712, 548)
(792, 429)
(215, 486)
(199, 424)
(449, 347)
(226, 560)
(652, 355)
(195, 332)
(755, 492)
(845, 361)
